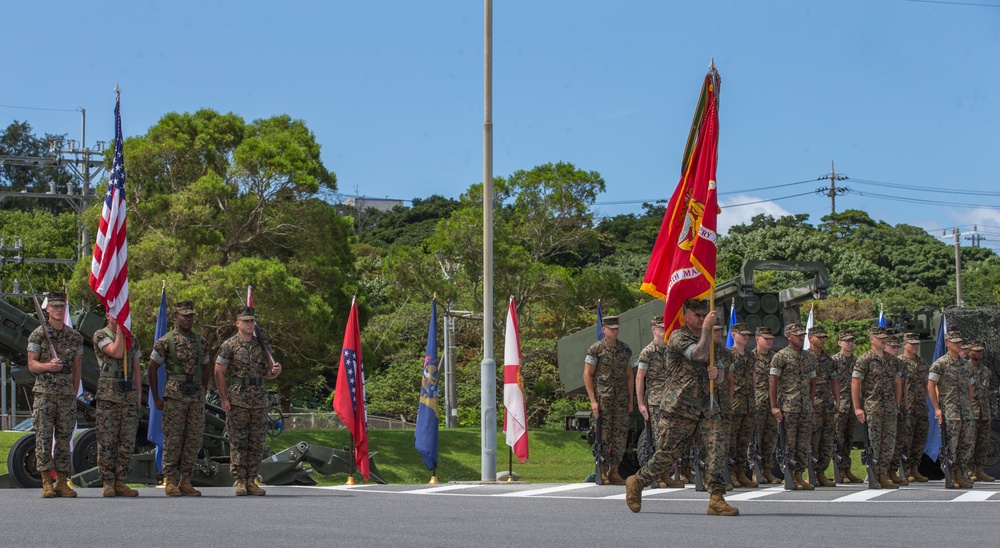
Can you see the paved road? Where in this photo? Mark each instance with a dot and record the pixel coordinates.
(517, 514)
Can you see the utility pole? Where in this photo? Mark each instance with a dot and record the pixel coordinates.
(833, 190)
(977, 239)
(958, 260)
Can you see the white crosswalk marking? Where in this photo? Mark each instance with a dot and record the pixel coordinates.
(862, 496)
(750, 495)
(439, 489)
(647, 494)
(548, 490)
(974, 496)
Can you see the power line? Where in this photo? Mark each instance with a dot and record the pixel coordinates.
(926, 189)
(42, 108)
(973, 4)
(922, 201)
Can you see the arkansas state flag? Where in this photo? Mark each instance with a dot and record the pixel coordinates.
(682, 264)
(515, 418)
(349, 397)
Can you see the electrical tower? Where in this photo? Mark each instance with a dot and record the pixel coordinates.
(833, 190)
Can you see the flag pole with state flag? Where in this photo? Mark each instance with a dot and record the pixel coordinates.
(425, 436)
(600, 320)
(154, 433)
(683, 261)
(515, 418)
(349, 394)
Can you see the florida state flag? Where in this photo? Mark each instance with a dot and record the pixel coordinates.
(682, 265)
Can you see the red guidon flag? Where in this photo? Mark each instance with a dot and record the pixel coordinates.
(682, 265)
(349, 394)
(515, 419)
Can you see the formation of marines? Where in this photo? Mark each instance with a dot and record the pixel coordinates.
(817, 399)
(55, 351)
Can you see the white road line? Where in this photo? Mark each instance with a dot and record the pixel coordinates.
(862, 496)
(974, 496)
(647, 493)
(438, 489)
(547, 490)
(756, 494)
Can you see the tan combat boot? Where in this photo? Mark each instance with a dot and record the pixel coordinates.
(633, 494)
(48, 490)
(884, 482)
(254, 489)
(604, 473)
(894, 477)
(915, 475)
(823, 480)
(667, 481)
(849, 476)
(62, 486)
(613, 477)
(981, 474)
(170, 488)
(123, 490)
(744, 480)
(109, 489)
(961, 479)
(186, 488)
(769, 477)
(800, 483)
(717, 506)
(241, 487)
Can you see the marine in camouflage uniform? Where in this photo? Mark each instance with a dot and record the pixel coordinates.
(980, 410)
(950, 386)
(723, 360)
(245, 400)
(184, 353)
(916, 404)
(650, 380)
(609, 381)
(876, 389)
(792, 388)
(686, 418)
(741, 386)
(846, 422)
(56, 381)
(903, 430)
(826, 405)
(117, 408)
(765, 428)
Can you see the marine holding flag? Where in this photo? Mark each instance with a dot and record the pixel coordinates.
(425, 437)
(682, 272)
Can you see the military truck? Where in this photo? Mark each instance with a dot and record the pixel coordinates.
(212, 468)
(773, 310)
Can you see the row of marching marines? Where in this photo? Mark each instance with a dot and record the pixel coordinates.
(796, 410)
(241, 366)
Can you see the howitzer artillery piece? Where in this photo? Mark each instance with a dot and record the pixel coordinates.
(212, 468)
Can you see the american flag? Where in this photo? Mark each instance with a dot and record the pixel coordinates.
(349, 395)
(109, 267)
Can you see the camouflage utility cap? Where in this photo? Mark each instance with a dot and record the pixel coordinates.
(699, 306)
(818, 331)
(657, 321)
(57, 298)
(911, 338)
(741, 327)
(184, 308)
(954, 336)
(977, 345)
(878, 333)
(765, 332)
(894, 340)
(795, 329)
(610, 321)
(246, 313)
(846, 336)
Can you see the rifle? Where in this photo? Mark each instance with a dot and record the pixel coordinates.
(785, 458)
(810, 462)
(598, 452)
(945, 456)
(46, 328)
(868, 458)
(838, 461)
(755, 461)
(258, 334)
(697, 464)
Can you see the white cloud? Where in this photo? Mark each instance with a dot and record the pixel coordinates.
(732, 215)
(982, 216)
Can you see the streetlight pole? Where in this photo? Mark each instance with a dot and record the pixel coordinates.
(488, 368)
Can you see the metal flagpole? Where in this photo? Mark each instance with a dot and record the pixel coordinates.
(488, 368)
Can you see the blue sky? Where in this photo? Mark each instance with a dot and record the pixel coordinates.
(897, 92)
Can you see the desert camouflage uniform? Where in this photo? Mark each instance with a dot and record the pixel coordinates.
(766, 427)
(825, 417)
(117, 411)
(878, 376)
(846, 421)
(916, 406)
(611, 365)
(247, 393)
(55, 398)
(981, 413)
(685, 416)
(954, 378)
(795, 370)
(742, 407)
(653, 360)
(183, 416)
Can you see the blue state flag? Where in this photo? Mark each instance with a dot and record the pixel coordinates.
(154, 432)
(732, 321)
(933, 445)
(425, 438)
(600, 321)
(881, 318)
